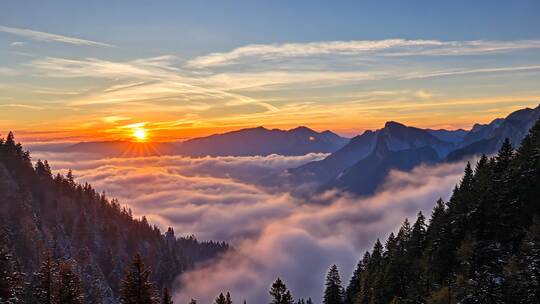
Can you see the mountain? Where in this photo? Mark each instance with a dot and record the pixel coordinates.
(365, 175)
(343, 164)
(481, 246)
(360, 166)
(262, 141)
(244, 142)
(485, 139)
(452, 136)
(47, 217)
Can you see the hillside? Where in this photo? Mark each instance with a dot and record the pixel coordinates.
(482, 246)
(42, 215)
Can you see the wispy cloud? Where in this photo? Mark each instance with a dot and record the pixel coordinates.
(388, 47)
(17, 43)
(463, 71)
(17, 105)
(423, 94)
(8, 71)
(279, 85)
(151, 80)
(48, 37)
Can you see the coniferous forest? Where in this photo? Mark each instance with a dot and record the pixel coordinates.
(63, 242)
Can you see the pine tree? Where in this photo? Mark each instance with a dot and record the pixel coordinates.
(136, 287)
(354, 284)
(44, 290)
(228, 299)
(418, 236)
(69, 286)
(192, 301)
(70, 179)
(220, 299)
(280, 293)
(530, 262)
(166, 297)
(11, 285)
(333, 294)
(504, 157)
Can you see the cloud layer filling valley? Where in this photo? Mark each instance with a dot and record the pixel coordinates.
(274, 233)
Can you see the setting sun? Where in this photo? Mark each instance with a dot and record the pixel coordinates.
(139, 134)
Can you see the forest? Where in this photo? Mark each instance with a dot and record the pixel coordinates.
(57, 235)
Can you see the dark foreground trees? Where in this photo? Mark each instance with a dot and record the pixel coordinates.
(333, 294)
(280, 293)
(45, 212)
(482, 246)
(136, 287)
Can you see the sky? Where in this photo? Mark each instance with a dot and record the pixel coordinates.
(179, 69)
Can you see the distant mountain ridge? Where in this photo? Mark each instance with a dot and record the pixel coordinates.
(488, 138)
(263, 141)
(244, 142)
(361, 165)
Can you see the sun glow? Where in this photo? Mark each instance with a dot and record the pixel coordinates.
(140, 134)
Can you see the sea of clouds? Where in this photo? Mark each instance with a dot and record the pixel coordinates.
(274, 233)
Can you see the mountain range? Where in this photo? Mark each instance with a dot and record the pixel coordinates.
(361, 165)
(244, 142)
(358, 165)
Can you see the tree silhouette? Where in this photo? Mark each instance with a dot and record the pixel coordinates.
(333, 294)
(136, 287)
(166, 297)
(280, 293)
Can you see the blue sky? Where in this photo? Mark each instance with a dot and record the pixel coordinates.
(277, 63)
(200, 26)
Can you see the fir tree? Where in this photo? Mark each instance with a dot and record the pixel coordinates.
(69, 286)
(136, 287)
(44, 290)
(354, 284)
(11, 285)
(333, 294)
(504, 156)
(280, 293)
(220, 299)
(228, 299)
(166, 297)
(530, 263)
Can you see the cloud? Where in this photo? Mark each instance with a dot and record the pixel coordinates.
(388, 47)
(457, 72)
(299, 246)
(8, 71)
(47, 37)
(274, 233)
(16, 43)
(423, 94)
(151, 80)
(18, 105)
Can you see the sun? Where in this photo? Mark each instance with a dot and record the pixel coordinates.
(139, 134)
